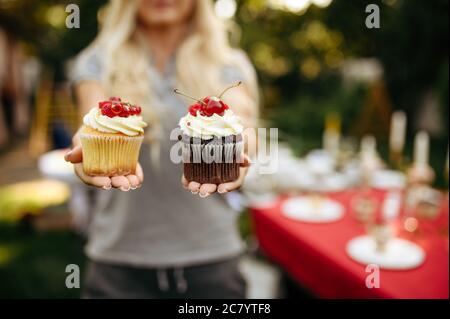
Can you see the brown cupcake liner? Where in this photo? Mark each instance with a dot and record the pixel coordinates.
(212, 161)
(211, 173)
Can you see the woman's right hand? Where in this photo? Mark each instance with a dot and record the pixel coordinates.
(124, 183)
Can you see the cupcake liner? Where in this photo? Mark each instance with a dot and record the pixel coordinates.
(213, 161)
(110, 155)
(211, 173)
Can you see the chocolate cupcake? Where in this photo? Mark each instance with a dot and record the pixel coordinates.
(212, 142)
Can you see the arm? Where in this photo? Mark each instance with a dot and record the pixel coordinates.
(88, 93)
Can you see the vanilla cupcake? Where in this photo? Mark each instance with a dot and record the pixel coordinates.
(212, 142)
(111, 138)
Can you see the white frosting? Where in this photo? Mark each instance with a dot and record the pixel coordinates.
(132, 125)
(206, 127)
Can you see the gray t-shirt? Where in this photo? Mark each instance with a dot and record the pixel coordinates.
(160, 224)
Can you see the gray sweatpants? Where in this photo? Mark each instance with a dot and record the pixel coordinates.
(216, 280)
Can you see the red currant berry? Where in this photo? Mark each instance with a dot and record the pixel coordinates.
(138, 110)
(106, 110)
(117, 108)
(103, 104)
(125, 110)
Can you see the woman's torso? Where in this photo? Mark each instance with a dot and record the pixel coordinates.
(161, 223)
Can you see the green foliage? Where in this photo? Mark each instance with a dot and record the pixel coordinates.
(40, 24)
(442, 87)
(32, 265)
(245, 226)
(412, 45)
(291, 52)
(301, 120)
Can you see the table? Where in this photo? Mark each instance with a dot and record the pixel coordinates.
(314, 254)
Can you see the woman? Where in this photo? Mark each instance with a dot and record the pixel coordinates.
(160, 240)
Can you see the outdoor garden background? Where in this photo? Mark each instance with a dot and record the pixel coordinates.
(305, 53)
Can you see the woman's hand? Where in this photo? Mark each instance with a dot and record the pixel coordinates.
(124, 183)
(204, 190)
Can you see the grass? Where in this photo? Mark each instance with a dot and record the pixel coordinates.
(32, 264)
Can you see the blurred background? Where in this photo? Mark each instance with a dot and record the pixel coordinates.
(320, 69)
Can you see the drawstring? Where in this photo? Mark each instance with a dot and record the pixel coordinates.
(181, 282)
(178, 274)
(163, 281)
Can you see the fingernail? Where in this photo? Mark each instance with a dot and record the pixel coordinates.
(204, 195)
(133, 187)
(194, 192)
(67, 155)
(107, 187)
(222, 191)
(125, 189)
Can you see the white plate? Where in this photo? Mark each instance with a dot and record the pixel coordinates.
(261, 201)
(388, 179)
(320, 162)
(399, 254)
(307, 209)
(334, 182)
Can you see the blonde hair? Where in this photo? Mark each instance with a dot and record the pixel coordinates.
(199, 58)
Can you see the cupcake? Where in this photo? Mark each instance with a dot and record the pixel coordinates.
(212, 141)
(111, 138)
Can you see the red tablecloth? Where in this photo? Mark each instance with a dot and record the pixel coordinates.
(315, 255)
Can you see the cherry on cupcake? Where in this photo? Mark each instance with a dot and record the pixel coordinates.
(213, 105)
(210, 105)
(194, 108)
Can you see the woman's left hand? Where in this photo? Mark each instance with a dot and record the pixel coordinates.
(204, 190)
